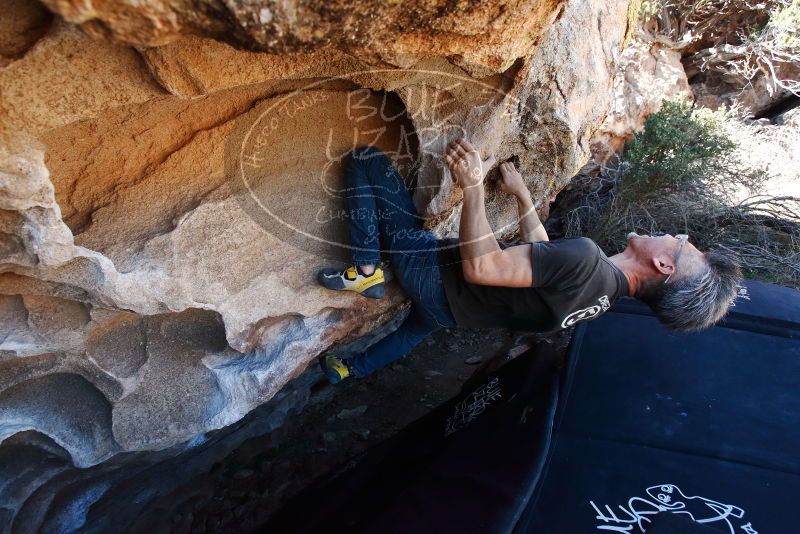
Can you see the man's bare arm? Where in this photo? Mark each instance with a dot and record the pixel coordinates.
(530, 227)
(483, 261)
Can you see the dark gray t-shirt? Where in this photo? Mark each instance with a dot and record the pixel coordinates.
(573, 280)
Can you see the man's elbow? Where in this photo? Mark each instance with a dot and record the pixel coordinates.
(470, 275)
(473, 273)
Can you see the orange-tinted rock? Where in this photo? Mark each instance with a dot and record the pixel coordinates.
(482, 37)
(139, 264)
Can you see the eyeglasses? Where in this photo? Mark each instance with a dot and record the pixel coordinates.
(683, 239)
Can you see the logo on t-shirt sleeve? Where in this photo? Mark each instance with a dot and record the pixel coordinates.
(587, 313)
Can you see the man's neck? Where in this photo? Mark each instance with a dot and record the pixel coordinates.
(631, 269)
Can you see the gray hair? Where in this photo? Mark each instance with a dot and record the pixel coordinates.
(698, 301)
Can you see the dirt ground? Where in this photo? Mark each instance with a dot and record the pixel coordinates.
(339, 422)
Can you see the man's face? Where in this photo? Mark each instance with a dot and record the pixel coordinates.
(660, 252)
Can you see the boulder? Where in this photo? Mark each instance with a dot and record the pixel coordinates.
(170, 182)
(718, 86)
(483, 37)
(647, 74)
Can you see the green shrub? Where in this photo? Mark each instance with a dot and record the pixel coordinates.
(680, 150)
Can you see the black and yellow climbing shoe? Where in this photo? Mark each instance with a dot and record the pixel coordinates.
(334, 368)
(352, 279)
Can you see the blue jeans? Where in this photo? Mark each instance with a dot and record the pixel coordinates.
(382, 213)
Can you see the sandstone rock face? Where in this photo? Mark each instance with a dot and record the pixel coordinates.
(484, 36)
(647, 74)
(716, 90)
(166, 198)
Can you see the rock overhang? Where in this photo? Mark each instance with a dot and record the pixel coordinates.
(120, 200)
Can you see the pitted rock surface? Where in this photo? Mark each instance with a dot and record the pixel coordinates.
(143, 302)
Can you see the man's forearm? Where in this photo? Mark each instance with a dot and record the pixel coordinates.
(476, 240)
(483, 261)
(530, 227)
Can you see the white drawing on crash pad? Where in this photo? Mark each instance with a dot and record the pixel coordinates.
(669, 498)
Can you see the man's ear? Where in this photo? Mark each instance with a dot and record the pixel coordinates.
(663, 265)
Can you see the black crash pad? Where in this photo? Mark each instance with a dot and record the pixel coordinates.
(641, 431)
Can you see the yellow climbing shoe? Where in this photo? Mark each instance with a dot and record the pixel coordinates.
(334, 368)
(352, 279)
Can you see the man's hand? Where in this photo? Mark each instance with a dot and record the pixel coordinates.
(511, 180)
(465, 164)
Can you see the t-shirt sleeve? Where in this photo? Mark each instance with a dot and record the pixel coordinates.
(563, 263)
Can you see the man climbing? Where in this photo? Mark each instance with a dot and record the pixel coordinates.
(537, 285)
